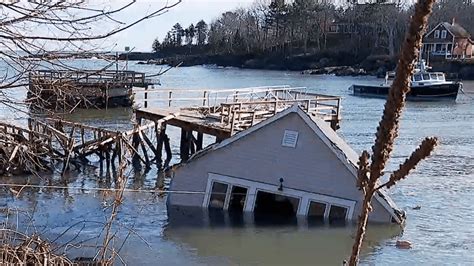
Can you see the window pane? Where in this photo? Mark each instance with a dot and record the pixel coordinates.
(316, 210)
(337, 213)
(417, 77)
(433, 76)
(218, 194)
(237, 199)
(426, 76)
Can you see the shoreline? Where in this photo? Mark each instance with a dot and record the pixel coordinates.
(314, 64)
(306, 64)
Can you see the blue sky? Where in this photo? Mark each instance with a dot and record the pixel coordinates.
(188, 11)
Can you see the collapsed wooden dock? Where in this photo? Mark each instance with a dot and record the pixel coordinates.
(69, 89)
(222, 113)
(197, 113)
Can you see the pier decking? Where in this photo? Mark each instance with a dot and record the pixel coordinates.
(222, 113)
(84, 88)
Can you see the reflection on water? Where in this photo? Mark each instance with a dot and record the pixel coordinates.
(441, 230)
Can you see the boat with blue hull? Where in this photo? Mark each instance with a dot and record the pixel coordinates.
(425, 86)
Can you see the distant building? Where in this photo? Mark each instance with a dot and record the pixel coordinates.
(449, 41)
(292, 163)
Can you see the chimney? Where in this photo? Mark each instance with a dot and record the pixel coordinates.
(454, 21)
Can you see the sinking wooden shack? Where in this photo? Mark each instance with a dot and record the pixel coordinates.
(292, 164)
(68, 89)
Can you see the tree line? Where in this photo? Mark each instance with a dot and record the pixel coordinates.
(311, 26)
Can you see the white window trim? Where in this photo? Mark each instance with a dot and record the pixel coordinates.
(444, 34)
(436, 34)
(253, 187)
(209, 192)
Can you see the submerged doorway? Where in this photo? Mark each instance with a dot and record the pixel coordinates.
(273, 207)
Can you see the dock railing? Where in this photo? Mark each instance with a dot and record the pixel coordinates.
(242, 108)
(129, 78)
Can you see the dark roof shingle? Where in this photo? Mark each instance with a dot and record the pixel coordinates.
(457, 30)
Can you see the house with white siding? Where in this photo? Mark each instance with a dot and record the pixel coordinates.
(291, 164)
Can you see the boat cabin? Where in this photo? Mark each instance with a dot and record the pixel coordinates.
(419, 78)
(292, 165)
(427, 78)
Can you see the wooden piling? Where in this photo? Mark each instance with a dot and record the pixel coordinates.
(184, 145)
(199, 142)
(166, 142)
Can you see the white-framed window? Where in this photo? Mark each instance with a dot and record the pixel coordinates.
(218, 195)
(436, 34)
(337, 213)
(317, 210)
(304, 203)
(444, 33)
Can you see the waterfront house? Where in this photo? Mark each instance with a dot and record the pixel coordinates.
(448, 41)
(292, 164)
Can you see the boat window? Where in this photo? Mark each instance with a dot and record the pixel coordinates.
(218, 194)
(337, 213)
(237, 199)
(440, 76)
(426, 76)
(433, 76)
(316, 210)
(417, 77)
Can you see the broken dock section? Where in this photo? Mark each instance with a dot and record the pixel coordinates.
(223, 113)
(69, 89)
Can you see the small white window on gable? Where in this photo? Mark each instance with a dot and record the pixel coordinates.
(444, 33)
(290, 138)
(436, 34)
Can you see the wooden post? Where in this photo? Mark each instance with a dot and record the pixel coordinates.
(253, 119)
(200, 138)
(107, 160)
(135, 144)
(204, 98)
(160, 136)
(166, 142)
(169, 98)
(232, 123)
(146, 97)
(145, 153)
(184, 145)
(191, 143)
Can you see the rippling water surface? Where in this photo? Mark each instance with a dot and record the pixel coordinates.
(442, 230)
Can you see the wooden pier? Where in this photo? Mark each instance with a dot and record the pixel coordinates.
(197, 113)
(67, 89)
(222, 113)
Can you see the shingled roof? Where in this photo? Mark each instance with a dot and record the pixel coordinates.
(457, 30)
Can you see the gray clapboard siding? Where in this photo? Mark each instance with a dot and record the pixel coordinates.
(259, 156)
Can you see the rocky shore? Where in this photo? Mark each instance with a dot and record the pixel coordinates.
(337, 70)
(339, 64)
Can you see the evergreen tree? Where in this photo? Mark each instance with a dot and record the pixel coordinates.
(156, 46)
(201, 32)
(190, 34)
(177, 32)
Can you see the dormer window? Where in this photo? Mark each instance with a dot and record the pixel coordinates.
(444, 33)
(436, 34)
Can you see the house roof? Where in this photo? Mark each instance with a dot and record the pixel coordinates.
(323, 130)
(455, 29)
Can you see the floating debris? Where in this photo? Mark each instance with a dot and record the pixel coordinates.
(403, 244)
